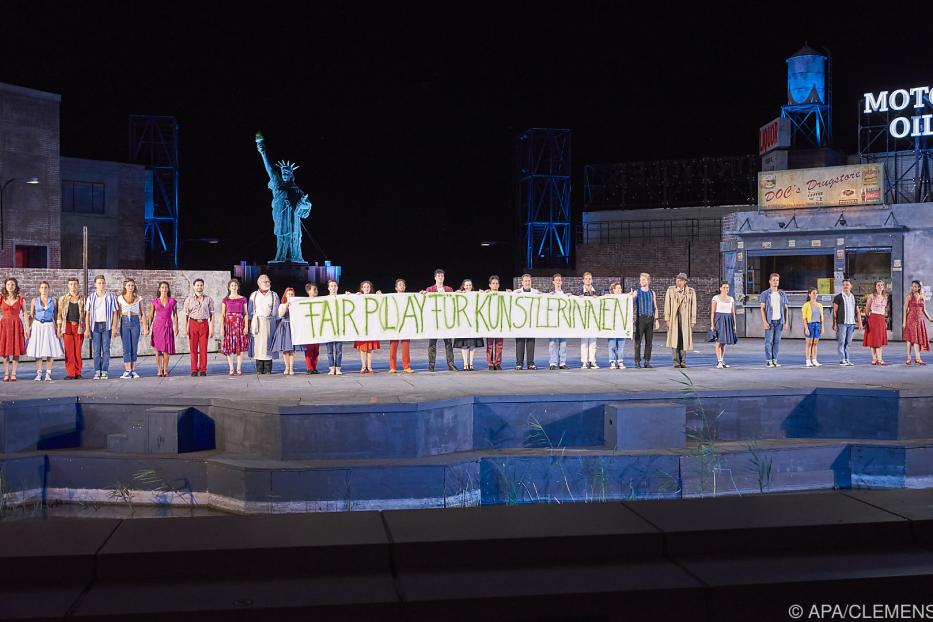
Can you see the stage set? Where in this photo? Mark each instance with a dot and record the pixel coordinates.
(275, 443)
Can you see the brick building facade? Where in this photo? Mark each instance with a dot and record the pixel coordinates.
(42, 223)
(29, 147)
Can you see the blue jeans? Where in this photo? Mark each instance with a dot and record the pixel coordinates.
(100, 346)
(773, 340)
(335, 353)
(615, 349)
(129, 334)
(843, 339)
(557, 351)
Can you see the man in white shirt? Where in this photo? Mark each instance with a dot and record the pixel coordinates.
(774, 315)
(845, 320)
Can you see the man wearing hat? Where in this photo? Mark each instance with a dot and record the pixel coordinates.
(680, 314)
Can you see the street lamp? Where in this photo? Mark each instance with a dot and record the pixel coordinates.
(32, 181)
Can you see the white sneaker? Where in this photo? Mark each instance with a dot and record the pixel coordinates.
(337, 372)
(809, 364)
(719, 365)
(726, 365)
(126, 376)
(584, 366)
(48, 375)
(843, 363)
(593, 365)
(770, 363)
(612, 365)
(816, 363)
(134, 375)
(103, 375)
(621, 365)
(850, 364)
(96, 375)
(776, 364)
(38, 376)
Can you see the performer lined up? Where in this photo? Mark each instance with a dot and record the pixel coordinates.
(646, 318)
(101, 315)
(494, 344)
(812, 313)
(404, 343)
(163, 318)
(71, 322)
(42, 332)
(334, 348)
(48, 327)
(198, 321)
(12, 328)
(525, 347)
(366, 348)
(432, 343)
(236, 327)
(132, 322)
(914, 326)
(312, 350)
(722, 323)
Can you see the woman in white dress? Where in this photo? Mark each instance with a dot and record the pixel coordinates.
(42, 331)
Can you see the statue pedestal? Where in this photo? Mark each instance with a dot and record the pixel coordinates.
(287, 274)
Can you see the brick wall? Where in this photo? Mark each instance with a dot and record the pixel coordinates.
(698, 258)
(215, 285)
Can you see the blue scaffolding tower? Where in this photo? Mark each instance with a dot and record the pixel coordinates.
(544, 197)
(154, 144)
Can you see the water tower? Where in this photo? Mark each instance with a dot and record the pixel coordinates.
(809, 98)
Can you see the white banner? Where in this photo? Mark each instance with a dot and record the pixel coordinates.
(378, 317)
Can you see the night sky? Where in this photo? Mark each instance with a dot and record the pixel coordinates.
(404, 117)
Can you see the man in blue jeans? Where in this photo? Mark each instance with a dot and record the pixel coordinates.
(773, 317)
(557, 348)
(845, 320)
(102, 320)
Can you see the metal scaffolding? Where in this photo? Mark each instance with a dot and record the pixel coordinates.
(907, 162)
(671, 183)
(154, 144)
(544, 197)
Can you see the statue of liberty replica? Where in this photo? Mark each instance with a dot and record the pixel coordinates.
(289, 206)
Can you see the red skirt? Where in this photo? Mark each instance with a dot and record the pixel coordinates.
(12, 336)
(876, 331)
(366, 346)
(915, 330)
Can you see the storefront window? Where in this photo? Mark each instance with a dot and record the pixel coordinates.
(798, 272)
(864, 266)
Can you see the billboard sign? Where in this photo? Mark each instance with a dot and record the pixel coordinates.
(832, 186)
(914, 107)
(774, 135)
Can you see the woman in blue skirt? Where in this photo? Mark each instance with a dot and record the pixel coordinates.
(722, 321)
(282, 340)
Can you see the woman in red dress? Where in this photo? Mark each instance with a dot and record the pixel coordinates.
(12, 334)
(915, 317)
(876, 329)
(366, 347)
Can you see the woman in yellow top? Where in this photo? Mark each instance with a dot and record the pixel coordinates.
(812, 326)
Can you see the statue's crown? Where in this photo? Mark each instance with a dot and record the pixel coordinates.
(284, 164)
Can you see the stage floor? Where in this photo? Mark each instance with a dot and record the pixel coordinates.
(748, 371)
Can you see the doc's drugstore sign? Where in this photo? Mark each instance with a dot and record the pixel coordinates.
(833, 186)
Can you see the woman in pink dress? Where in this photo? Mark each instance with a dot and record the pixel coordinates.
(236, 329)
(12, 329)
(876, 329)
(163, 318)
(915, 318)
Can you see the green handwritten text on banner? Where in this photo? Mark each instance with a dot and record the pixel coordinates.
(352, 317)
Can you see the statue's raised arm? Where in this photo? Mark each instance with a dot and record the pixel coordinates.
(261, 148)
